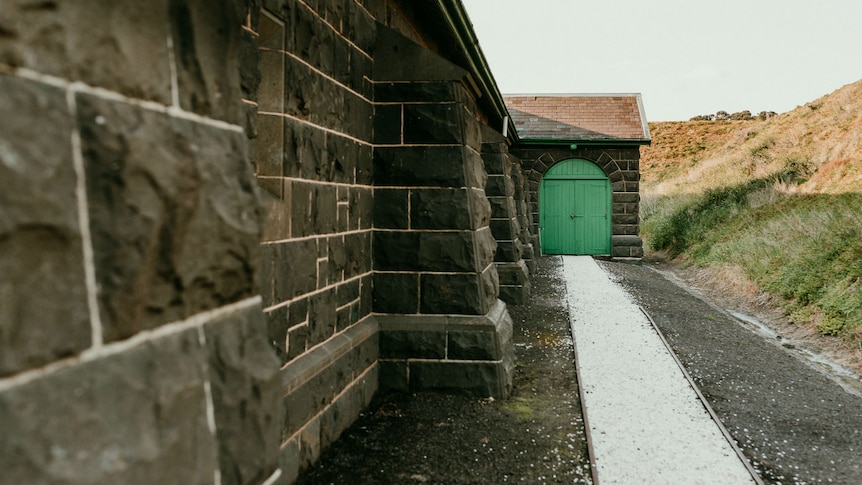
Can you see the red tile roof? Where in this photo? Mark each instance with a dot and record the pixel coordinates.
(579, 117)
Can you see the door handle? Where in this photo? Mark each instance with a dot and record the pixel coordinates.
(573, 216)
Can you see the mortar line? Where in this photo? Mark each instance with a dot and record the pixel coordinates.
(113, 348)
(89, 260)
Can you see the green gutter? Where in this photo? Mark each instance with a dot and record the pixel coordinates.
(460, 23)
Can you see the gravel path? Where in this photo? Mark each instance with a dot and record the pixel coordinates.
(646, 422)
(793, 421)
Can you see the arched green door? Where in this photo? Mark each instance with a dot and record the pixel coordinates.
(574, 209)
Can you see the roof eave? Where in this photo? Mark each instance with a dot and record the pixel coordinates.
(459, 21)
(584, 142)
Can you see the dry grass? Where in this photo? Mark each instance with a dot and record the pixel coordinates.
(770, 210)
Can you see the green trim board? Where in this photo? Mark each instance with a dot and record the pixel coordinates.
(574, 209)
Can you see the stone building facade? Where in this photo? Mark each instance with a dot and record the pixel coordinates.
(603, 129)
(225, 225)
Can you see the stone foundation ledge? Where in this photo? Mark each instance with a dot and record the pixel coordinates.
(627, 247)
(464, 353)
(324, 391)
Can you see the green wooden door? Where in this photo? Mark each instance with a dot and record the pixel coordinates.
(574, 212)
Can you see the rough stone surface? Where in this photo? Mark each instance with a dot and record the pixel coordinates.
(430, 166)
(43, 299)
(243, 373)
(473, 345)
(451, 293)
(173, 234)
(406, 344)
(206, 49)
(433, 124)
(440, 209)
(126, 50)
(396, 293)
(140, 416)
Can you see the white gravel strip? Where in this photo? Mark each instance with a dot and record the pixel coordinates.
(645, 421)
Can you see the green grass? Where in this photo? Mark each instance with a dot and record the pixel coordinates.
(806, 249)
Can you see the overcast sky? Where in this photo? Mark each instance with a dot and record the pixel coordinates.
(686, 57)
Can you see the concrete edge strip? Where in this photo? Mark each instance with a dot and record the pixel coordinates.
(700, 397)
(594, 469)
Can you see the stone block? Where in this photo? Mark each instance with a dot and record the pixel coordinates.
(321, 316)
(474, 170)
(481, 379)
(387, 124)
(502, 207)
(626, 241)
(505, 229)
(43, 307)
(395, 250)
(340, 159)
(496, 163)
(297, 341)
(289, 460)
(277, 223)
(421, 92)
(429, 166)
(486, 248)
(357, 248)
(206, 49)
(515, 295)
(433, 124)
(311, 382)
(304, 147)
(499, 186)
(448, 251)
(249, 73)
(276, 330)
(489, 282)
(138, 416)
(347, 407)
(396, 293)
(509, 251)
(513, 273)
(391, 208)
(473, 345)
(625, 219)
(439, 209)
(407, 344)
(356, 117)
(394, 376)
(270, 94)
(294, 268)
(451, 294)
(314, 209)
(309, 443)
(480, 208)
(243, 371)
(267, 152)
(471, 126)
(626, 198)
(361, 208)
(126, 52)
(173, 234)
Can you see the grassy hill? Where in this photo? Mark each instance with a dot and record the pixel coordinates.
(777, 203)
